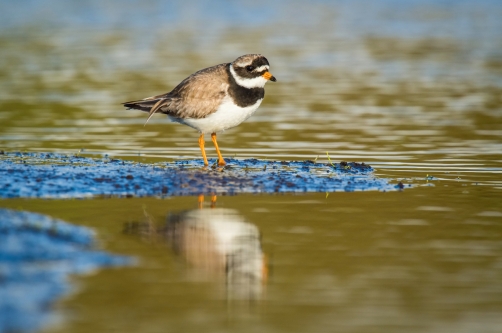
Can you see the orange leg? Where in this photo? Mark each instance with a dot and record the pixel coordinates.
(264, 269)
(200, 201)
(213, 200)
(201, 146)
(221, 161)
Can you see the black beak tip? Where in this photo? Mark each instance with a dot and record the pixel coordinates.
(273, 79)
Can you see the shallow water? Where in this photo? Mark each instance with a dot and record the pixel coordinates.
(413, 89)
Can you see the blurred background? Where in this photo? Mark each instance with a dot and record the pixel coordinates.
(354, 77)
(414, 88)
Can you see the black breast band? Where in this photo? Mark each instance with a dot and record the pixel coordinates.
(243, 96)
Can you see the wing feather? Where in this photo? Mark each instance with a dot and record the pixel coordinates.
(198, 96)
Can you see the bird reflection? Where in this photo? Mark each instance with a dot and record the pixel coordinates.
(217, 243)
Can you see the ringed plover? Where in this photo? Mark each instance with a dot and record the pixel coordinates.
(213, 99)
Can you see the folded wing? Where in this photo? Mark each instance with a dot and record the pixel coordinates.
(197, 96)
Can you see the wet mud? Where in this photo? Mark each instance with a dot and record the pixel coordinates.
(44, 175)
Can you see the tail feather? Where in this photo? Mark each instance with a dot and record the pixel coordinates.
(150, 105)
(143, 105)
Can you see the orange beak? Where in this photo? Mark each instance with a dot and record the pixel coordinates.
(269, 76)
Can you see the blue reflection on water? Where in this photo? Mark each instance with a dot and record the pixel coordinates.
(37, 254)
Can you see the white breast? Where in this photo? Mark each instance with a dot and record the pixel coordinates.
(227, 116)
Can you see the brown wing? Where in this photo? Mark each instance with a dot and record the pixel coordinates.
(197, 96)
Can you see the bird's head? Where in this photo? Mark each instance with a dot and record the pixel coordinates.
(251, 71)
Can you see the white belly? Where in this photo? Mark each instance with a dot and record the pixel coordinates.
(227, 116)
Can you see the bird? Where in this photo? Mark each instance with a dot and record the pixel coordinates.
(213, 99)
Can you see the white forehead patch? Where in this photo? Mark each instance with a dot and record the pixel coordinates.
(257, 82)
(261, 68)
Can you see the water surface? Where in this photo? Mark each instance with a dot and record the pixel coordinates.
(412, 88)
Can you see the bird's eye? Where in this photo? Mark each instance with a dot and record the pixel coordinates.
(249, 68)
